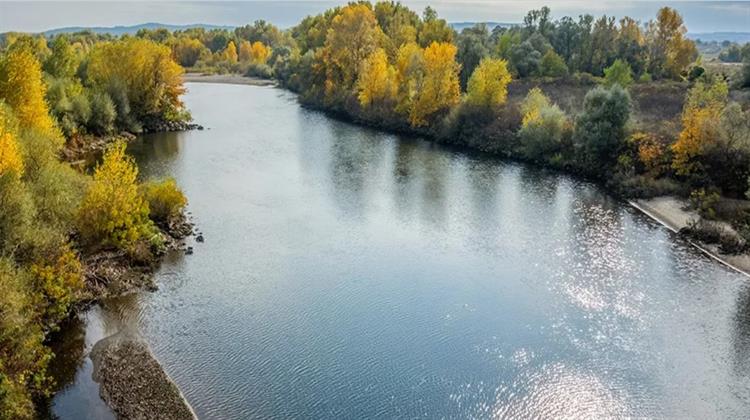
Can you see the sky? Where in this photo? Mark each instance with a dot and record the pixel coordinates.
(37, 16)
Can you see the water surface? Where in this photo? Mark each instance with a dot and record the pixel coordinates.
(348, 273)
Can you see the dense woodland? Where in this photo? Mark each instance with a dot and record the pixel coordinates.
(579, 94)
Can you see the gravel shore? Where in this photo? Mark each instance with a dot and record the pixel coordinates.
(133, 383)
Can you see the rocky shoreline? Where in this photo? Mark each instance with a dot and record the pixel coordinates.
(133, 383)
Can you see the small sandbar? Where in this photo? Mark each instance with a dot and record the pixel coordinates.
(230, 79)
(133, 383)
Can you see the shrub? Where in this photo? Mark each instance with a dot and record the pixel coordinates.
(552, 65)
(543, 128)
(57, 279)
(103, 114)
(618, 73)
(600, 128)
(17, 212)
(113, 212)
(23, 357)
(165, 200)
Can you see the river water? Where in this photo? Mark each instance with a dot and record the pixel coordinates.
(348, 273)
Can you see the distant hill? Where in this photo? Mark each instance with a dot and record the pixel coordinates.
(460, 26)
(738, 37)
(121, 30)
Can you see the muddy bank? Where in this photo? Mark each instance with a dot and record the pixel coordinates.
(133, 383)
(674, 213)
(232, 79)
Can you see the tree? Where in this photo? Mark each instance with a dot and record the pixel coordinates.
(22, 88)
(259, 53)
(377, 79)
(146, 81)
(600, 128)
(410, 71)
(669, 51)
(62, 62)
(700, 123)
(552, 65)
(10, 154)
(603, 44)
(229, 54)
(354, 35)
(631, 45)
(473, 46)
(488, 85)
(434, 29)
(113, 212)
(187, 51)
(618, 73)
(542, 128)
(440, 88)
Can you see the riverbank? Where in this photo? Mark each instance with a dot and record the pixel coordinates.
(133, 383)
(674, 213)
(230, 79)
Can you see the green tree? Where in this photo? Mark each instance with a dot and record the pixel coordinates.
(618, 73)
(600, 128)
(552, 65)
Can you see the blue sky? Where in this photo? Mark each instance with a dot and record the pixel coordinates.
(34, 16)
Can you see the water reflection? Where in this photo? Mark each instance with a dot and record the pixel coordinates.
(353, 274)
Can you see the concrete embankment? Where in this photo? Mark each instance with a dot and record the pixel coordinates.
(133, 383)
(673, 213)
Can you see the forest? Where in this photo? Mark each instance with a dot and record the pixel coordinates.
(630, 104)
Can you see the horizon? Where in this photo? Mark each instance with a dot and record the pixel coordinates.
(41, 16)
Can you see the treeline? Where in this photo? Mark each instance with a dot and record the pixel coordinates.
(52, 217)
(387, 66)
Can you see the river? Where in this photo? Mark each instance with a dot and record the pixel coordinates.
(348, 273)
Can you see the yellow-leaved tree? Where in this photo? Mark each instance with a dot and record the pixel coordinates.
(259, 53)
(113, 212)
(532, 106)
(353, 35)
(700, 124)
(440, 88)
(151, 78)
(230, 53)
(409, 75)
(377, 79)
(488, 85)
(23, 89)
(10, 155)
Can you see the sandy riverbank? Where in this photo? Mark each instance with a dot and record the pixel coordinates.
(673, 213)
(133, 383)
(231, 79)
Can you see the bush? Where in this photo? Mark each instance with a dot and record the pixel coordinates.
(543, 129)
(17, 212)
(600, 129)
(261, 70)
(165, 200)
(23, 357)
(113, 212)
(618, 73)
(103, 114)
(552, 65)
(57, 279)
